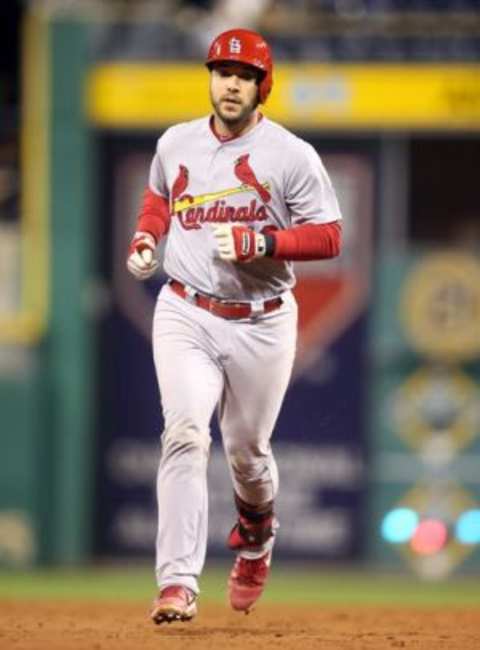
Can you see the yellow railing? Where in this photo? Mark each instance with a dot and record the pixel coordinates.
(305, 96)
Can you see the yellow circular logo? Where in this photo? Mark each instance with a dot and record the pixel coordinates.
(440, 306)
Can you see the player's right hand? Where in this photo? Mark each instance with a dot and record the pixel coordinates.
(140, 261)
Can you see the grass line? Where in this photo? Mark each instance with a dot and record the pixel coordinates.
(298, 586)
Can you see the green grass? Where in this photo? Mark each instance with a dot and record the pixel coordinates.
(302, 585)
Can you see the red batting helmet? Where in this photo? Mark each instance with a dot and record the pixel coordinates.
(248, 47)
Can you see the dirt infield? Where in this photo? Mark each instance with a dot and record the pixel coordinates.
(105, 626)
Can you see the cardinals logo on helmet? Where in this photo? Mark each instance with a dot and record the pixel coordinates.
(235, 46)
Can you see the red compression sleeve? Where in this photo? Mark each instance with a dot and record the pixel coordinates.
(154, 216)
(310, 241)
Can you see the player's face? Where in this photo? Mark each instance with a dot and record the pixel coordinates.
(233, 92)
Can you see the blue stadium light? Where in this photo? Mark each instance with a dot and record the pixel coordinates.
(467, 529)
(399, 525)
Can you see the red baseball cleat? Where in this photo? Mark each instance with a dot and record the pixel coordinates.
(247, 581)
(174, 603)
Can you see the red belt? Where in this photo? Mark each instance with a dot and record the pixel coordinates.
(228, 310)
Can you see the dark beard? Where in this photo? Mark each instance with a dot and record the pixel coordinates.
(230, 121)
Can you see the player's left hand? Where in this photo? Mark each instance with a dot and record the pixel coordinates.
(238, 243)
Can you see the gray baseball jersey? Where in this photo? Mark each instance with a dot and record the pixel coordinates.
(267, 178)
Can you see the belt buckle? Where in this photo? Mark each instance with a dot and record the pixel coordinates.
(190, 294)
(257, 308)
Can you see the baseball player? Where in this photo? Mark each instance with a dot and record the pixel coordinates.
(238, 198)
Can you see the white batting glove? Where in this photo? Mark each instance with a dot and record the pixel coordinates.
(238, 243)
(140, 261)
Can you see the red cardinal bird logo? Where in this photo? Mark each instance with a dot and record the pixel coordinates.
(181, 182)
(244, 173)
(180, 185)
